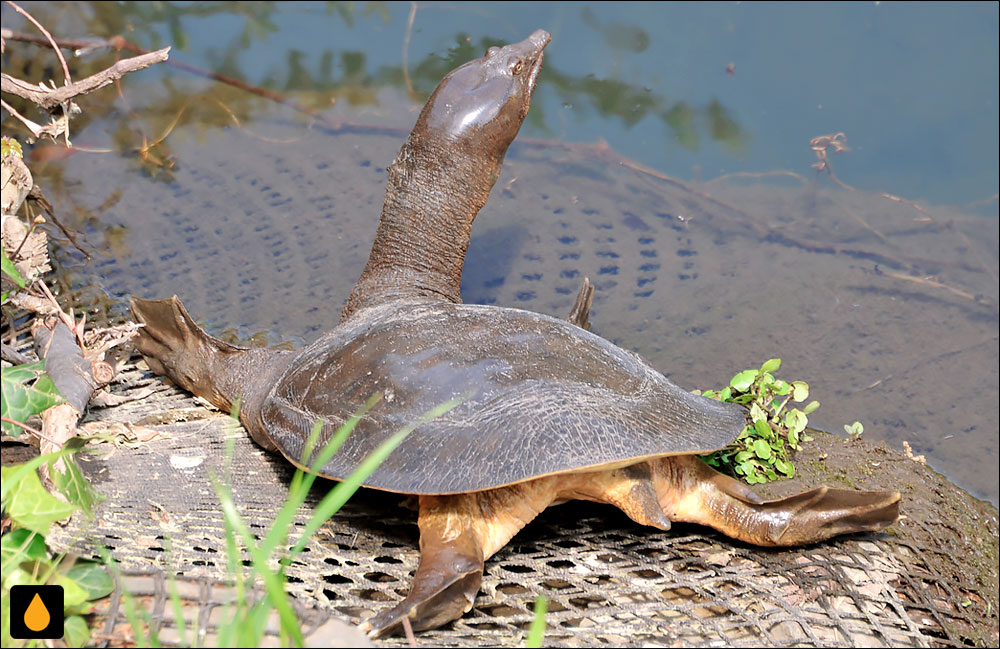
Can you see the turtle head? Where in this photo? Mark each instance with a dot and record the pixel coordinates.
(175, 346)
(483, 103)
(443, 176)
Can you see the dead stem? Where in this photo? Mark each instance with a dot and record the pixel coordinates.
(67, 79)
(406, 50)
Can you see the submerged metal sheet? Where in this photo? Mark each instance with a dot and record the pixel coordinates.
(888, 309)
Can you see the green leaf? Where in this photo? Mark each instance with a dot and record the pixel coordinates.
(763, 429)
(73, 593)
(743, 380)
(795, 420)
(748, 468)
(13, 474)
(75, 631)
(800, 391)
(93, 578)
(5, 639)
(780, 387)
(793, 438)
(811, 407)
(21, 401)
(73, 484)
(536, 633)
(757, 413)
(771, 365)
(32, 506)
(785, 467)
(743, 456)
(8, 268)
(22, 545)
(762, 449)
(10, 145)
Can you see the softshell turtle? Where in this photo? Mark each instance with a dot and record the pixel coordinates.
(551, 412)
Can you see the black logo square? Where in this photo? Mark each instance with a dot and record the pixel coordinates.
(36, 612)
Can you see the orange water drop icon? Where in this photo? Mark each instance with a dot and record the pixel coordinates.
(36, 617)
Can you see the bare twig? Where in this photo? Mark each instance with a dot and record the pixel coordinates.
(927, 281)
(756, 175)
(119, 43)
(36, 129)
(67, 80)
(34, 431)
(11, 355)
(64, 43)
(406, 48)
(48, 99)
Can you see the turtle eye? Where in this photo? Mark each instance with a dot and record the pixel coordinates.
(516, 66)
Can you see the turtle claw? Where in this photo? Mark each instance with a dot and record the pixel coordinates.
(429, 605)
(580, 313)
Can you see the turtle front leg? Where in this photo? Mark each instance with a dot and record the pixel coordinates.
(457, 534)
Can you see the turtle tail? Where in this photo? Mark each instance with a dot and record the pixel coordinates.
(691, 491)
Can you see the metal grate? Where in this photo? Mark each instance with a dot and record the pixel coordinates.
(609, 581)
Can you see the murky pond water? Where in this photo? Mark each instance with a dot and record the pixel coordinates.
(887, 308)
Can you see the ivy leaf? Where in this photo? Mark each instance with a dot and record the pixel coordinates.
(75, 631)
(93, 578)
(22, 545)
(73, 484)
(73, 593)
(31, 506)
(8, 268)
(21, 401)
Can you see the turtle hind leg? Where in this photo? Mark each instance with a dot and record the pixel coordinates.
(457, 534)
(691, 491)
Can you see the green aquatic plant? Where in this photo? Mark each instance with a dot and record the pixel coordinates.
(763, 449)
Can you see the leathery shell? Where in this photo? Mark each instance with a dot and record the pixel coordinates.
(542, 397)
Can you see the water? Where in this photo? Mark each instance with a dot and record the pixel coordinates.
(694, 91)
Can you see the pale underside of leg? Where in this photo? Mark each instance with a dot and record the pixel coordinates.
(459, 532)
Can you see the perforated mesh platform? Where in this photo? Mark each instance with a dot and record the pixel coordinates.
(930, 581)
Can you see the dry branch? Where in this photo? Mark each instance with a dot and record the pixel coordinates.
(49, 98)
